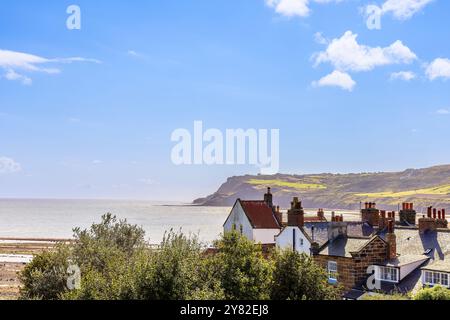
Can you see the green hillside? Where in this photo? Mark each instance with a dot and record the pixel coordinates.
(424, 187)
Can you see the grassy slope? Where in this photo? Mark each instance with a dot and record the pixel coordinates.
(425, 187)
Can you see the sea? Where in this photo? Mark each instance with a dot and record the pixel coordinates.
(56, 219)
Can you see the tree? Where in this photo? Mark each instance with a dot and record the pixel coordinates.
(45, 277)
(241, 268)
(297, 277)
(105, 255)
(177, 271)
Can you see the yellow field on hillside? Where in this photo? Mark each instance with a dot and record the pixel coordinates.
(285, 184)
(440, 190)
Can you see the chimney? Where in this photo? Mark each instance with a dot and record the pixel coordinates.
(441, 222)
(296, 215)
(268, 198)
(408, 215)
(391, 240)
(321, 214)
(370, 214)
(337, 227)
(430, 212)
(427, 223)
(278, 215)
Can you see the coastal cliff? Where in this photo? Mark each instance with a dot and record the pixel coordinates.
(424, 187)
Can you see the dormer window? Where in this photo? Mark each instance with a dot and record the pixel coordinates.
(432, 278)
(389, 274)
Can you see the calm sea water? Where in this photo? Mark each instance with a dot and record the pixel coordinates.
(57, 218)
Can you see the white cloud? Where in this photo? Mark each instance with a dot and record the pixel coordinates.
(439, 68)
(443, 111)
(320, 39)
(12, 61)
(8, 165)
(404, 9)
(14, 76)
(97, 162)
(336, 79)
(403, 75)
(346, 54)
(292, 8)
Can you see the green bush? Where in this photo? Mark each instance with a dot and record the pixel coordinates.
(45, 277)
(116, 263)
(177, 271)
(298, 277)
(105, 255)
(241, 268)
(436, 293)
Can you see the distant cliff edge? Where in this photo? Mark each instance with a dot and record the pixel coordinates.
(424, 187)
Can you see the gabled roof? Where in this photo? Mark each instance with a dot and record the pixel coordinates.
(259, 214)
(345, 246)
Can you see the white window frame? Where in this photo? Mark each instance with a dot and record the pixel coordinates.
(332, 269)
(394, 274)
(435, 278)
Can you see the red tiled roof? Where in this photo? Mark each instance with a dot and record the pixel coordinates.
(260, 215)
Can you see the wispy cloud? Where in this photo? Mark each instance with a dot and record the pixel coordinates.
(8, 165)
(443, 112)
(15, 64)
(403, 75)
(404, 9)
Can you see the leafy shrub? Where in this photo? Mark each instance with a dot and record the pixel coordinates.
(297, 277)
(436, 293)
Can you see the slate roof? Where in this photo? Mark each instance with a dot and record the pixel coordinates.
(260, 215)
(411, 242)
(317, 232)
(343, 247)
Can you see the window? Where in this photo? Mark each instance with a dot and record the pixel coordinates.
(436, 278)
(234, 226)
(332, 270)
(301, 242)
(241, 229)
(388, 274)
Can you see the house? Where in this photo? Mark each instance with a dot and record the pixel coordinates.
(301, 233)
(399, 256)
(258, 220)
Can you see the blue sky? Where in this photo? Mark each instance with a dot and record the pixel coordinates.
(89, 113)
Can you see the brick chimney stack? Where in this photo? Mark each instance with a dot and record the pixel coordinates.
(370, 214)
(321, 214)
(268, 198)
(391, 239)
(408, 214)
(337, 227)
(428, 223)
(296, 215)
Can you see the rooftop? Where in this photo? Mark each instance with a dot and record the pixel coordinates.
(260, 215)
